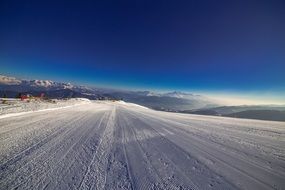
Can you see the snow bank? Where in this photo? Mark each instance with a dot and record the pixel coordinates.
(14, 107)
(131, 104)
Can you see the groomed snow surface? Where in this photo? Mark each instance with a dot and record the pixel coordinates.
(14, 106)
(116, 145)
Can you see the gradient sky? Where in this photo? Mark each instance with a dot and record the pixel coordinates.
(218, 47)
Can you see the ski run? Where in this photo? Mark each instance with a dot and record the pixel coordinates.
(118, 145)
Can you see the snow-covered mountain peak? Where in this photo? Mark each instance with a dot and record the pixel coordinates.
(9, 80)
(68, 86)
(153, 94)
(177, 94)
(42, 83)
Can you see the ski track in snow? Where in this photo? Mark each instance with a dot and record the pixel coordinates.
(114, 145)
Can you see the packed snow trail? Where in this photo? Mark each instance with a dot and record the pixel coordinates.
(116, 145)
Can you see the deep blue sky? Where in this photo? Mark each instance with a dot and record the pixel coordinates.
(186, 45)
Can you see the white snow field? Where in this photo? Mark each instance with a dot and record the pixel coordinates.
(117, 145)
(15, 106)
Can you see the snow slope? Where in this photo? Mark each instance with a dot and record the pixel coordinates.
(15, 106)
(115, 145)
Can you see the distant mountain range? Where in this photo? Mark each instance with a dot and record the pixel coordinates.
(14, 84)
(274, 115)
(11, 87)
(170, 101)
(263, 112)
